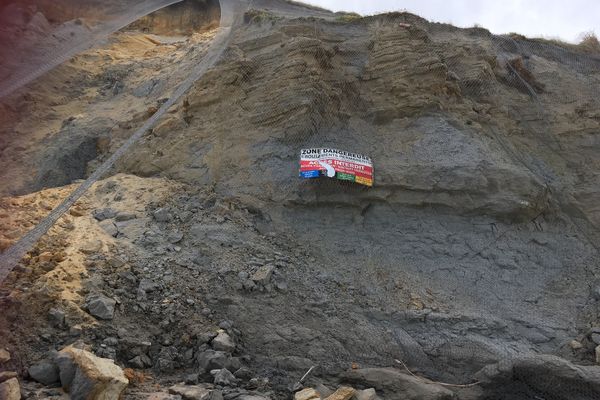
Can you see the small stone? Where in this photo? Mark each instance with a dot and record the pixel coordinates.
(56, 317)
(101, 306)
(367, 394)
(244, 374)
(104, 214)
(190, 392)
(175, 237)
(226, 325)
(4, 356)
(6, 375)
(137, 362)
(86, 376)
(249, 285)
(307, 394)
(224, 377)
(263, 275)
(110, 228)
(191, 379)
(125, 216)
(598, 355)
(575, 345)
(243, 276)
(223, 342)
(596, 293)
(595, 338)
(10, 390)
(45, 373)
(343, 393)
(323, 390)
(162, 215)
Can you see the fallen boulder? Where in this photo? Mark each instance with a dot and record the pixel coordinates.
(394, 384)
(101, 306)
(45, 373)
(89, 377)
(10, 390)
(540, 376)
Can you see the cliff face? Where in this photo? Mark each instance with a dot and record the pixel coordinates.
(477, 245)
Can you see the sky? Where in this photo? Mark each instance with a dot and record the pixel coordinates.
(564, 19)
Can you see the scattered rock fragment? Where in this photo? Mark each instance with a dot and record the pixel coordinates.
(307, 394)
(367, 394)
(101, 306)
(6, 375)
(125, 216)
(598, 354)
(104, 214)
(223, 377)
(162, 215)
(4, 356)
(210, 359)
(223, 342)
(343, 393)
(575, 345)
(323, 390)
(57, 318)
(263, 275)
(10, 390)
(191, 392)
(110, 228)
(86, 376)
(45, 372)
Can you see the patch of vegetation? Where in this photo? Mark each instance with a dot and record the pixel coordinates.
(259, 16)
(348, 17)
(588, 43)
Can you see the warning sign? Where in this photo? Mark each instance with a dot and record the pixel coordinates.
(331, 163)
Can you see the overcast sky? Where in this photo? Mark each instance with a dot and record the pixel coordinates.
(565, 19)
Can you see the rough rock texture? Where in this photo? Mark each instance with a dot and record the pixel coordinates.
(10, 390)
(396, 385)
(86, 376)
(528, 377)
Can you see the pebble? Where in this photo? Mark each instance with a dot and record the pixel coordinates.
(263, 274)
(575, 345)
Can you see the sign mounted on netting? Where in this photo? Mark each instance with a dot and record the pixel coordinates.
(332, 163)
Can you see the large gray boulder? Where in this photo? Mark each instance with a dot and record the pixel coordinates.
(394, 384)
(45, 372)
(540, 376)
